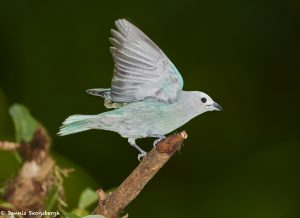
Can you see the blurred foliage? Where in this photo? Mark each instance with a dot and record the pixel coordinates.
(242, 162)
(56, 196)
(76, 182)
(25, 127)
(71, 215)
(94, 216)
(25, 124)
(5, 125)
(87, 199)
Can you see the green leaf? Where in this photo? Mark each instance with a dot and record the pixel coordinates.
(2, 190)
(51, 198)
(25, 124)
(80, 212)
(71, 215)
(87, 198)
(94, 216)
(4, 204)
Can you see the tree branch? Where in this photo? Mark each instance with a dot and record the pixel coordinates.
(112, 204)
(9, 146)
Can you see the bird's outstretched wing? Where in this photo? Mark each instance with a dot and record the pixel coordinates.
(142, 71)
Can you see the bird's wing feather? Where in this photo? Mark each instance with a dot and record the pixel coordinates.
(142, 70)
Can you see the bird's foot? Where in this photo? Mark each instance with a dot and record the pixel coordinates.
(142, 155)
(142, 152)
(158, 140)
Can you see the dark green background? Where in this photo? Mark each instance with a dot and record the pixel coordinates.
(242, 162)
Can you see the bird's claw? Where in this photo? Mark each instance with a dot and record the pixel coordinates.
(157, 141)
(141, 155)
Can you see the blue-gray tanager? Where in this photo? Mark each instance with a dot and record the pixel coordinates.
(146, 92)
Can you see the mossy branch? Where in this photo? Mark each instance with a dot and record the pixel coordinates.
(28, 190)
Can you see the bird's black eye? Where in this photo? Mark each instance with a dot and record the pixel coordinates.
(203, 100)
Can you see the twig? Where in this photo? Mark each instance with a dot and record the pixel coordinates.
(9, 146)
(112, 204)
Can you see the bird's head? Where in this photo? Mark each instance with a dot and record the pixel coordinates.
(207, 103)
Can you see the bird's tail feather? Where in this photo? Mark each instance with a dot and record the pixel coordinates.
(76, 123)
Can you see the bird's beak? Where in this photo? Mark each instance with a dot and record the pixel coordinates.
(217, 107)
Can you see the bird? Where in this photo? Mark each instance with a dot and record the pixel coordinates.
(146, 98)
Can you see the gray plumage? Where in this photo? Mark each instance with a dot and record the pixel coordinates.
(146, 92)
(142, 71)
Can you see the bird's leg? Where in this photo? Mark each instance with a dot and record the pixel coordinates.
(142, 153)
(160, 137)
